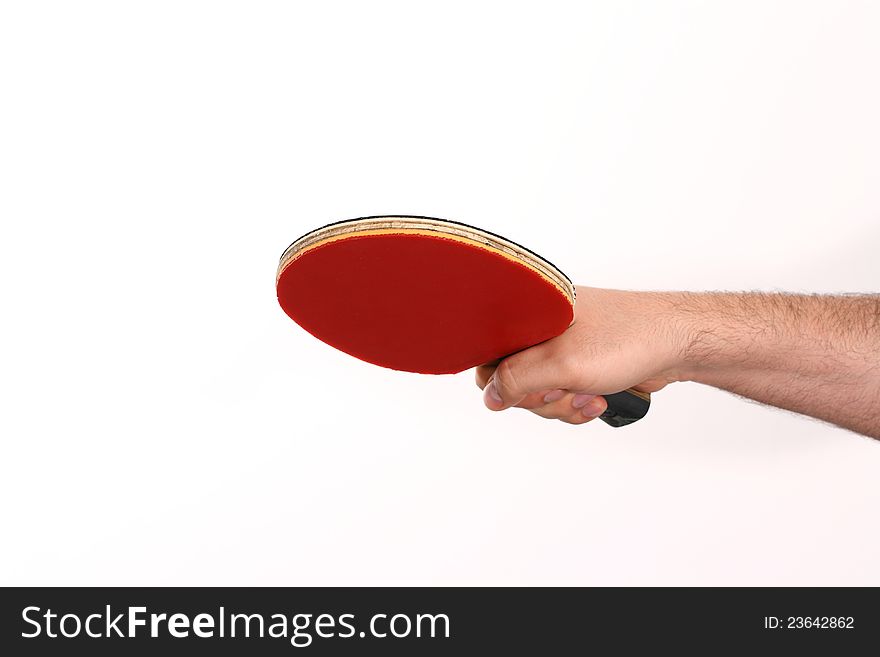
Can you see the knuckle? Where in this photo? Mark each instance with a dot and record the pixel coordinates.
(506, 378)
(529, 403)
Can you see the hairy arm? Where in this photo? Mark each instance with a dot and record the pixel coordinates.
(818, 355)
(814, 354)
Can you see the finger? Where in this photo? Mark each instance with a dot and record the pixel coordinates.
(557, 408)
(592, 409)
(535, 400)
(575, 407)
(484, 372)
(532, 370)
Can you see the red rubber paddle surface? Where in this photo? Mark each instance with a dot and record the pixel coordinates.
(420, 303)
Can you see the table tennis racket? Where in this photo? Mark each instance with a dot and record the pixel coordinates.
(429, 295)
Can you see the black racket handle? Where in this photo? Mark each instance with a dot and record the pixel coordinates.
(626, 407)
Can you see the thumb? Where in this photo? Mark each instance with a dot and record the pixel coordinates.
(531, 370)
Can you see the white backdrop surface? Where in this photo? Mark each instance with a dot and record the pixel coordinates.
(163, 422)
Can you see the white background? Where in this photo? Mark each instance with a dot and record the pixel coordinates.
(163, 421)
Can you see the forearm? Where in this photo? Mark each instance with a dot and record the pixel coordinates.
(817, 355)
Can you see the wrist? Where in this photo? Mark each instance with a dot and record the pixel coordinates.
(673, 336)
(716, 332)
(685, 333)
(676, 328)
(654, 325)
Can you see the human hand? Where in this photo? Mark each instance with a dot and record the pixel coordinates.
(618, 340)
